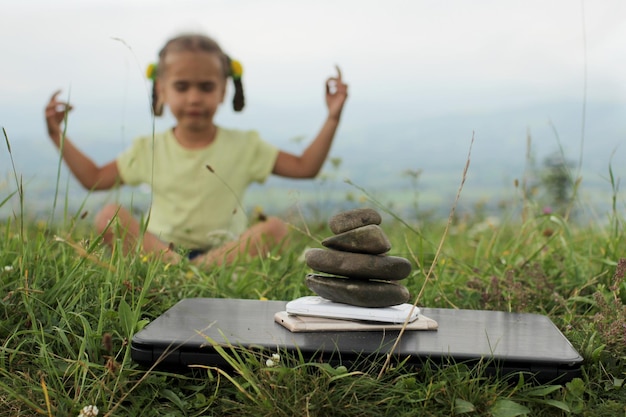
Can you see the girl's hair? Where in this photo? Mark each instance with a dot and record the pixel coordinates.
(196, 43)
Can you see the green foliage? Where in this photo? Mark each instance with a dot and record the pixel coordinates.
(69, 306)
(557, 180)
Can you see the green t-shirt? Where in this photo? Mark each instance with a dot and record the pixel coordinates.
(197, 193)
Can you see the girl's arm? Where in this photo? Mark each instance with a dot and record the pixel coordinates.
(308, 164)
(84, 169)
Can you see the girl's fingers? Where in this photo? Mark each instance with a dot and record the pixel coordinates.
(58, 108)
(338, 72)
(58, 105)
(53, 100)
(63, 107)
(331, 85)
(335, 84)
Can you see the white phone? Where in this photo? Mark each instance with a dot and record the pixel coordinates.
(321, 307)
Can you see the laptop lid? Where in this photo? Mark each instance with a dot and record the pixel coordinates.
(508, 342)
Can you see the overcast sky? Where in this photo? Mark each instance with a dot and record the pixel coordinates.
(434, 54)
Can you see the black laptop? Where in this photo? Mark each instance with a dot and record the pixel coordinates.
(505, 342)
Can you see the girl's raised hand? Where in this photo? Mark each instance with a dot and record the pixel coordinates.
(336, 94)
(55, 114)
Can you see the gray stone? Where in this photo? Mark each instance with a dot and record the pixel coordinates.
(351, 219)
(366, 239)
(362, 293)
(358, 265)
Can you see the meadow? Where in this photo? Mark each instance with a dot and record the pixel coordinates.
(69, 307)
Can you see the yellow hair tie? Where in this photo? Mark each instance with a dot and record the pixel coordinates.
(236, 69)
(151, 71)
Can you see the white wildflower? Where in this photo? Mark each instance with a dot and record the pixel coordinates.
(89, 411)
(8, 268)
(273, 361)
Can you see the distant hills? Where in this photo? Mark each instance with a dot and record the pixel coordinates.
(412, 156)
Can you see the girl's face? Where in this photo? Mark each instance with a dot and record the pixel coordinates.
(193, 86)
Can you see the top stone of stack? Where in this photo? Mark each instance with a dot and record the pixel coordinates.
(352, 219)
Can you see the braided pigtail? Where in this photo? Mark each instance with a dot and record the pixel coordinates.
(157, 106)
(235, 72)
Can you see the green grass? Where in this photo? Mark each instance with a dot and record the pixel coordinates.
(69, 307)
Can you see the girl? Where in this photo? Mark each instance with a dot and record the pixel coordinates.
(198, 171)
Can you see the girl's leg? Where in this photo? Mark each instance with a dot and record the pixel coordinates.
(258, 240)
(115, 222)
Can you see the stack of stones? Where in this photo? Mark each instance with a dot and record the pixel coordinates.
(361, 274)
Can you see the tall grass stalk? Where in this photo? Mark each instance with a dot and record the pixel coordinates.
(19, 185)
(432, 266)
